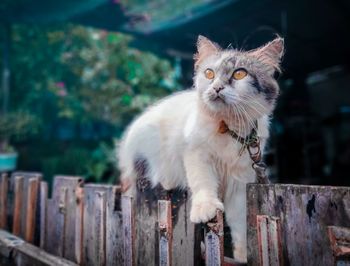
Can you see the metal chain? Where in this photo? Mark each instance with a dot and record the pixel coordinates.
(252, 144)
(258, 165)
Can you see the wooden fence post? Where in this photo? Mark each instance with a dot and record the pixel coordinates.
(32, 199)
(128, 231)
(165, 232)
(304, 212)
(17, 206)
(79, 221)
(214, 241)
(187, 236)
(61, 230)
(3, 200)
(26, 207)
(43, 213)
(102, 226)
(269, 240)
(339, 238)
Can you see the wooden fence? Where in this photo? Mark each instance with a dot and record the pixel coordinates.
(90, 224)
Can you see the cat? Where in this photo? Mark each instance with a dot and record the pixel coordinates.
(178, 137)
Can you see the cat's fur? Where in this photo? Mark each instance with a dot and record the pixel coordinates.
(178, 137)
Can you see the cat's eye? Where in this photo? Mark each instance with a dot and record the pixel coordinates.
(209, 73)
(239, 74)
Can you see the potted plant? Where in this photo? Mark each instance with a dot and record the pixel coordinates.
(14, 126)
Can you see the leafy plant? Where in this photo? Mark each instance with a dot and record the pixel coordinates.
(86, 81)
(16, 125)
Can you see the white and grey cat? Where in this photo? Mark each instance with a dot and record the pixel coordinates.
(178, 137)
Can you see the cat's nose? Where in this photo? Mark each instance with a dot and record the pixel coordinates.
(217, 89)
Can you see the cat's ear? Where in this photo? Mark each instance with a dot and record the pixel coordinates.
(205, 48)
(271, 53)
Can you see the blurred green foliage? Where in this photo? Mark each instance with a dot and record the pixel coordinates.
(83, 86)
(16, 126)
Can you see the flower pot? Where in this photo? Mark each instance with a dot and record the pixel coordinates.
(8, 161)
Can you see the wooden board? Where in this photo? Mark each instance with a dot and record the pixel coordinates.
(62, 233)
(15, 251)
(26, 205)
(128, 231)
(165, 233)
(214, 241)
(269, 240)
(103, 230)
(187, 236)
(43, 213)
(340, 244)
(3, 200)
(146, 218)
(114, 227)
(304, 212)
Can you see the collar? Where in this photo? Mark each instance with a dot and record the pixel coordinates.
(251, 138)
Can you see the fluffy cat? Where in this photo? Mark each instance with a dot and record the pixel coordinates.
(179, 138)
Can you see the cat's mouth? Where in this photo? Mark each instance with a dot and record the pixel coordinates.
(218, 98)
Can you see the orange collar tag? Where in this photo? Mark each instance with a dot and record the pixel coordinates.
(223, 128)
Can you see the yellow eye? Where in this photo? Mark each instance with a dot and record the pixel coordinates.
(209, 74)
(239, 74)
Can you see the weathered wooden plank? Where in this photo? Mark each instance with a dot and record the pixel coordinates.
(269, 240)
(23, 184)
(146, 219)
(304, 212)
(100, 217)
(3, 200)
(165, 232)
(339, 238)
(79, 220)
(18, 201)
(31, 202)
(214, 241)
(15, 251)
(114, 227)
(62, 211)
(187, 236)
(43, 213)
(128, 231)
(100, 227)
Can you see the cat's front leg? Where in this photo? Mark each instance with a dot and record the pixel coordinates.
(203, 183)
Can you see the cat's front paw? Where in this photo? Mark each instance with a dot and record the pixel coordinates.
(204, 208)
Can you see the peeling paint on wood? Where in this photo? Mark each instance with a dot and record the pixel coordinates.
(165, 232)
(269, 240)
(304, 213)
(214, 241)
(340, 243)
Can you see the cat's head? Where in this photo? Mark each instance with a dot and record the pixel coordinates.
(234, 82)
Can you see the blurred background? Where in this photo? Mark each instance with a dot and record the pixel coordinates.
(75, 73)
